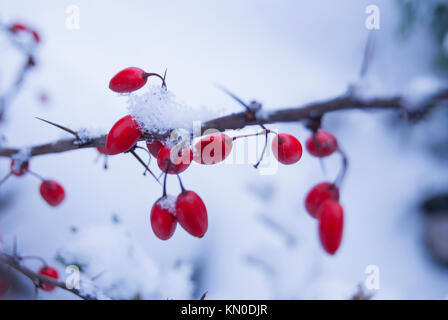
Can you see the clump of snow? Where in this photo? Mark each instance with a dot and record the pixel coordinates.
(21, 157)
(122, 269)
(159, 111)
(87, 288)
(86, 135)
(371, 87)
(262, 114)
(421, 89)
(168, 203)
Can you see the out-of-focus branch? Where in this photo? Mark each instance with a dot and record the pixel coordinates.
(15, 263)
(7, 97)
(240, 120)
(361, 294)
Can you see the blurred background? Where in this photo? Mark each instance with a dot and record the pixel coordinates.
(261, 243)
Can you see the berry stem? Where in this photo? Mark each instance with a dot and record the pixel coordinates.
(164, 179)
(265, 131)
(343, 169)
(143, 164)
(181, 184)
(36, 175)
(164, 78)
(149, 159)
(151, 74)
(5, 178)
(264, 150)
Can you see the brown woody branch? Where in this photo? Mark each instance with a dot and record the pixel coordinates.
(14, 262)
(314, 110)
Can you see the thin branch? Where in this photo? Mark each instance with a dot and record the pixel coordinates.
(239, 120)
(15, 263)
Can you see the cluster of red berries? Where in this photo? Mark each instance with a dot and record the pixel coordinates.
(188, 208)
(322, 201)
(20, 27)
(51, 191)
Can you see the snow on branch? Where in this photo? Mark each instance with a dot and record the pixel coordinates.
(310, 112)
(87, 290)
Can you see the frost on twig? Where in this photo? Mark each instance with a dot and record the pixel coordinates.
(84, 289)
(87, 135)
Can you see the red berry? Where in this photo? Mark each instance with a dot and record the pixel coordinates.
(102, 150)
(35, 36)
(4, 287)
(322, 144)
(331, 224)
(51, 273)
(191, 213)
(213, 148)
(286, 148)
(178, 162)
(154, 147)
(16, 27)
(123, 136)
(52, 192)
(19, 170)
(318, 195)
(128, 80)
(163, 220)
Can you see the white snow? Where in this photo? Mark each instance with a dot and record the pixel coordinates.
(20, 157)
(420, 89)
(121, 267)
(158, 110)
(87, 134)
(169, 203)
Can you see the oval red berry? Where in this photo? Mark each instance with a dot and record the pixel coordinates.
(331, 224)
(319, 194)
(163, 219)
(191, 213)
(322, 144)
(52, 192)
(123, 136)
(128, 80)
(19, 170)
(176, 162)
(154, 147)
(212, 149)
(286, 148)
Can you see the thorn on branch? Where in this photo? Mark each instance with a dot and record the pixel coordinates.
(60, 127)
(132, 151)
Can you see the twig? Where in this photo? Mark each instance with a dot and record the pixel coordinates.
(15, 263)
(239, 120)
